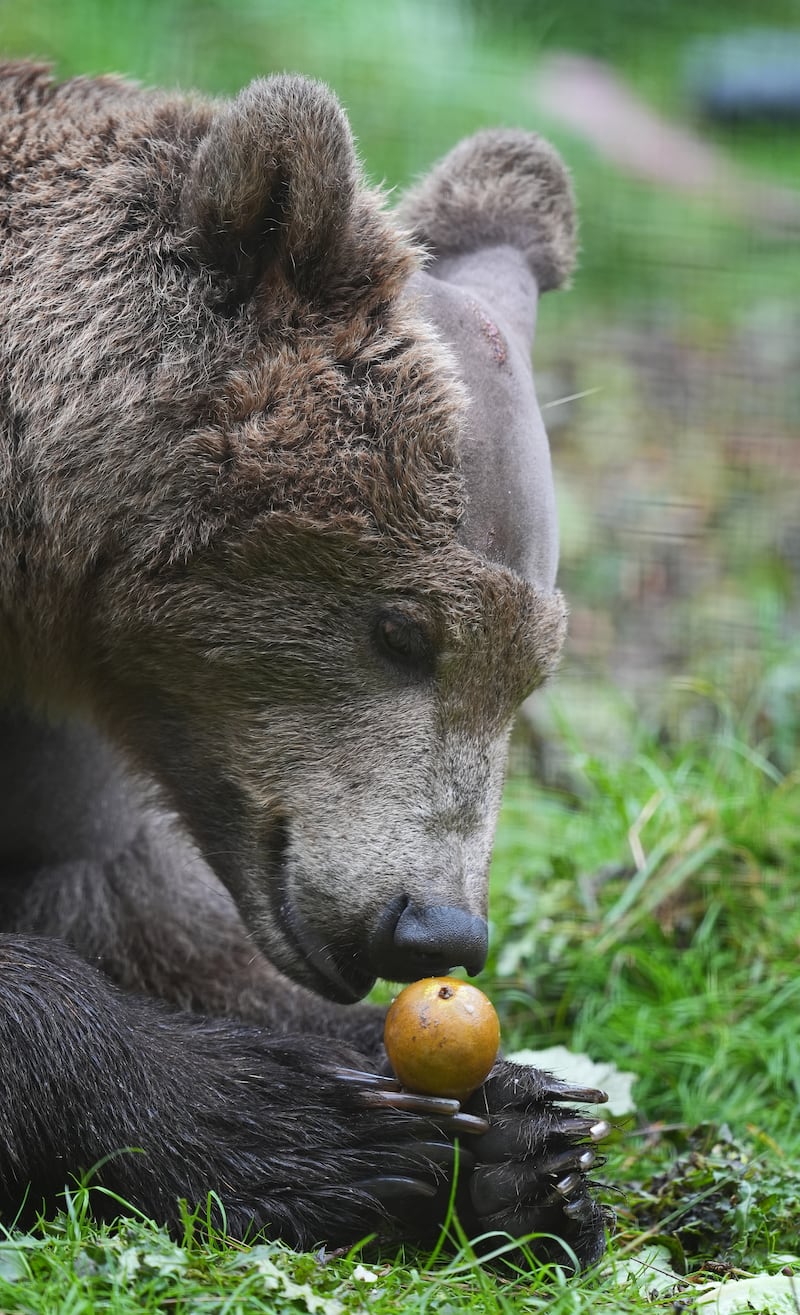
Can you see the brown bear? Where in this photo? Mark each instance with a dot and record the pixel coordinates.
(277, 567)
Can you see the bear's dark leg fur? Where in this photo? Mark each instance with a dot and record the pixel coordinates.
(217, 1105)
(262, 1087)
(282, 1128)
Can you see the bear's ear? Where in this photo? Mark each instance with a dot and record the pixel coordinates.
(501, 187)
(273, 179)
(498, 219)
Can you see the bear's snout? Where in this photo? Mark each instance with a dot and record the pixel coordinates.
(422, 940)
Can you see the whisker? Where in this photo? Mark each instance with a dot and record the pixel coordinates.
(572, 397)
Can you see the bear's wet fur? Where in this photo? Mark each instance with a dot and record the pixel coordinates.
(259, 657)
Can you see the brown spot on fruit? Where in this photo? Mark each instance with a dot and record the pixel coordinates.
(442, 1037)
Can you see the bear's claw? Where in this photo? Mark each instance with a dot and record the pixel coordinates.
(557, 1090)
(357, 1077)
(374, 1091)
(439, 1159)
(583, 1208)
(575, 1157)
(594, 1129)
(390, 1190)
(568, 1185)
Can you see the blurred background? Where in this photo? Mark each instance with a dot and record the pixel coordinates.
(669, 374)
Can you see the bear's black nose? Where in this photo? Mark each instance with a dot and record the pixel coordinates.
(423, 940)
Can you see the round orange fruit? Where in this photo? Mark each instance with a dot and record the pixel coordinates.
(442, 1037)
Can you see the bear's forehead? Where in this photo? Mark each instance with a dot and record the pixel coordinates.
(355, 424)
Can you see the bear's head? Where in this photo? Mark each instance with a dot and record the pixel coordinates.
(323, 533)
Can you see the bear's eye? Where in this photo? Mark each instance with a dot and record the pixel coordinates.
(404, 642)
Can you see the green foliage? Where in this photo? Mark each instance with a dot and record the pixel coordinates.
(719, 1197)
(649, 917)
(655, 916)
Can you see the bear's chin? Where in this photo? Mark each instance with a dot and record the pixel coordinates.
(335, 971)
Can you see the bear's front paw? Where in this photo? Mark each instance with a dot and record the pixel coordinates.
(530, 1169)
(413, 1145)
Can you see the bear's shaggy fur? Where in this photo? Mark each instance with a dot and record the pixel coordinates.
(272, 586)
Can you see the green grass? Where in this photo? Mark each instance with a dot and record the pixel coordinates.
(656, 925)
